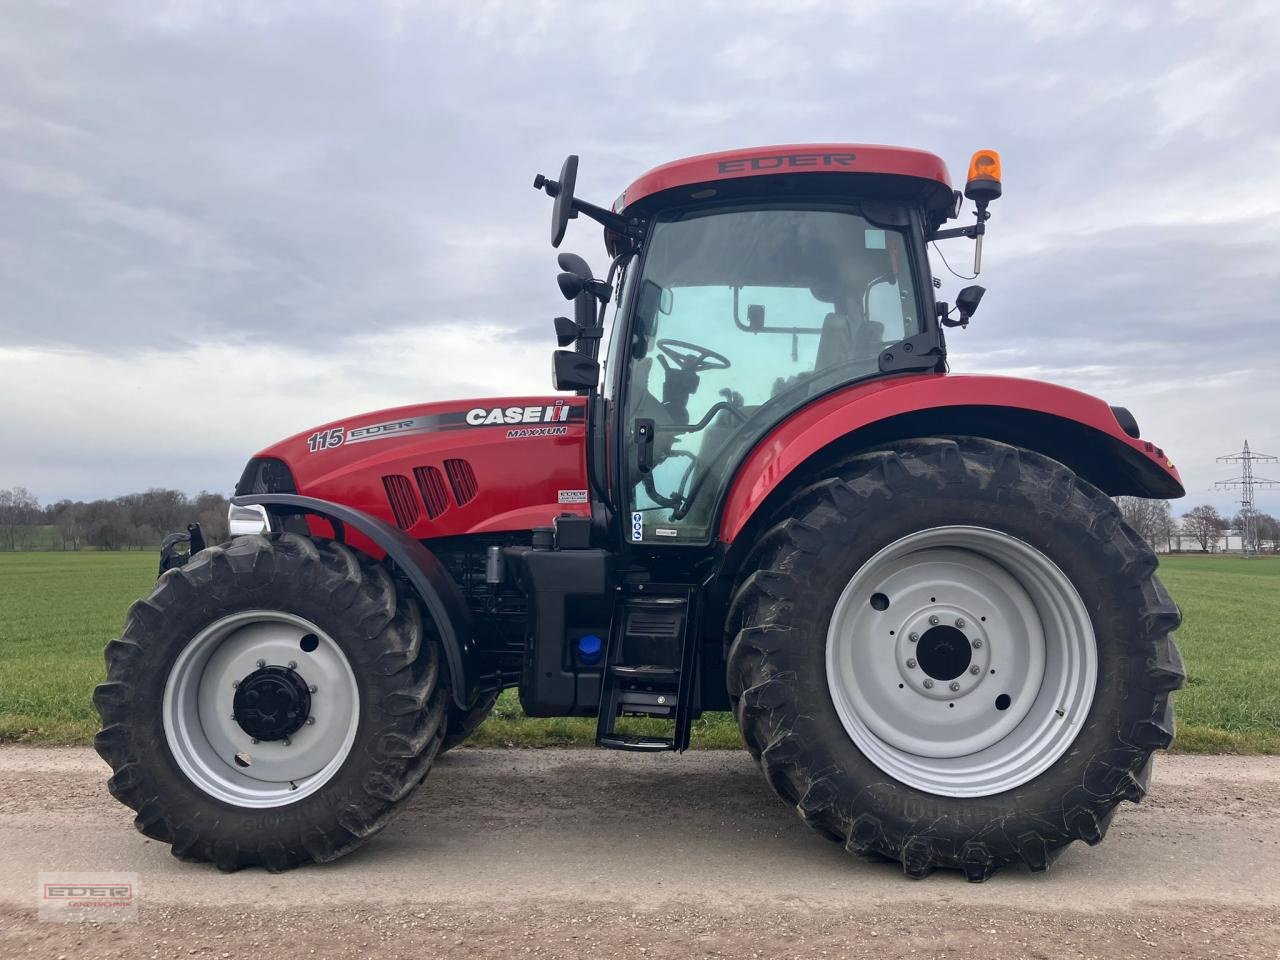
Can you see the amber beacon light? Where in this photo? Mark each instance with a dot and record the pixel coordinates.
(983, 183)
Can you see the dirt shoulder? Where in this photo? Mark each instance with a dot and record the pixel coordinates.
(572, 853)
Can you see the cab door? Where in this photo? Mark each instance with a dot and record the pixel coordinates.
(739, 316)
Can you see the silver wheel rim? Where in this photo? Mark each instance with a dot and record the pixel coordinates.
(999, 609)
(210, 746)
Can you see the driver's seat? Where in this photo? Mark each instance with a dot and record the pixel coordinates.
(841, 340)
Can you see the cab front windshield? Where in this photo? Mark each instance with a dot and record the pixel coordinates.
(740, 317)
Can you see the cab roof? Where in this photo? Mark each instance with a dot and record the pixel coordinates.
(788, 159)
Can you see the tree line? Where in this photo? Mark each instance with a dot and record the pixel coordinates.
(141, 520)
(1153, 520)
(134, 521)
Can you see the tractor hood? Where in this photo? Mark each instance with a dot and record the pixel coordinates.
(440, 469)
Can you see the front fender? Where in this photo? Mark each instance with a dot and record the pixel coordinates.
(1074, 428)
(434, 586)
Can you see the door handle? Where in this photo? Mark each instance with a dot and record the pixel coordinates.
(644, 445)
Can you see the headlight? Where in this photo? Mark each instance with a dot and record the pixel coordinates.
(243, 521)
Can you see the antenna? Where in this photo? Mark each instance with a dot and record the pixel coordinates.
(1245, 484)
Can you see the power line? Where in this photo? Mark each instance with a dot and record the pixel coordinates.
(1245, 484)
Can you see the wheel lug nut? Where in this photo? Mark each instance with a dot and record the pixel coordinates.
(311, 721)
(261, 664)
(287, 741)
(928, 684)
(293, 664)
(977, 643)
(954, 686)
(975, 670)
(312, 688)
(914, 637)
(235, 684)
(933, 620)
(959, 621)
(255, 739)
(911, 664)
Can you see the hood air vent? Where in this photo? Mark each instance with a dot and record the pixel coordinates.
(431, 486)
(463, 480)
(404, 505)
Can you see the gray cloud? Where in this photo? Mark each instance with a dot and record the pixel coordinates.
(297, 179)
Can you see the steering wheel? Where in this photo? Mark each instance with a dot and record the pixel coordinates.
(691, 358)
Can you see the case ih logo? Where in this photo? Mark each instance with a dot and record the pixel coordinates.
(786, 161)
(487, 416)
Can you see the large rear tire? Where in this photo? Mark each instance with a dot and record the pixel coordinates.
(272, 702)
(954, 654)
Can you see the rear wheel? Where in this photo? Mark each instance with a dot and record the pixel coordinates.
(954, 654)
(272, 702)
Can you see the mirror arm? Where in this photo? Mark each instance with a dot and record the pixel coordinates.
(975, 233)
(972, 232)
(632, 227)
(981, 215)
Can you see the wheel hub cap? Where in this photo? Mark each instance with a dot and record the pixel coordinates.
(272, 703)
(944, 652)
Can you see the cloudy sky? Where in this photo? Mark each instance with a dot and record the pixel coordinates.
(223, 222)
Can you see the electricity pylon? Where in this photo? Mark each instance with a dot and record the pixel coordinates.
(1245, 484)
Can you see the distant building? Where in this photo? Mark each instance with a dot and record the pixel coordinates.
(1228, 541)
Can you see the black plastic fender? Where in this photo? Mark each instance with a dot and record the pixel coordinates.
(436, 589)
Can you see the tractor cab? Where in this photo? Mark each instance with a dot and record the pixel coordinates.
(744, 286)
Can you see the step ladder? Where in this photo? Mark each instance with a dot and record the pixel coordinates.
(649, 667)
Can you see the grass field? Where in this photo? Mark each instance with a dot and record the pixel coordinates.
(58, 610)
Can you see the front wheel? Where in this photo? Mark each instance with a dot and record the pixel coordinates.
(954, 653)
(463, 723)
(272, 702)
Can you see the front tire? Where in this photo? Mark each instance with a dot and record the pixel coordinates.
(954, 654)
(463, 723)
(272, 702)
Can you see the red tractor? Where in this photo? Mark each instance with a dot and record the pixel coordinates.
(941, 642)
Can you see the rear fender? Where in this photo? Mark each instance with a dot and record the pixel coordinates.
(431, 582)
(1073, 428)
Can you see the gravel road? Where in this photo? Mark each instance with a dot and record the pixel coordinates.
(589, 854)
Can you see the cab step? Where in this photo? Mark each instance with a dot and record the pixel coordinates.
(634, 743)
(648, 668)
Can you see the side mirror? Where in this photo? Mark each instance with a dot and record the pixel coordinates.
(755, 317)
(571, 370)
(967, 301)
(562, 210)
